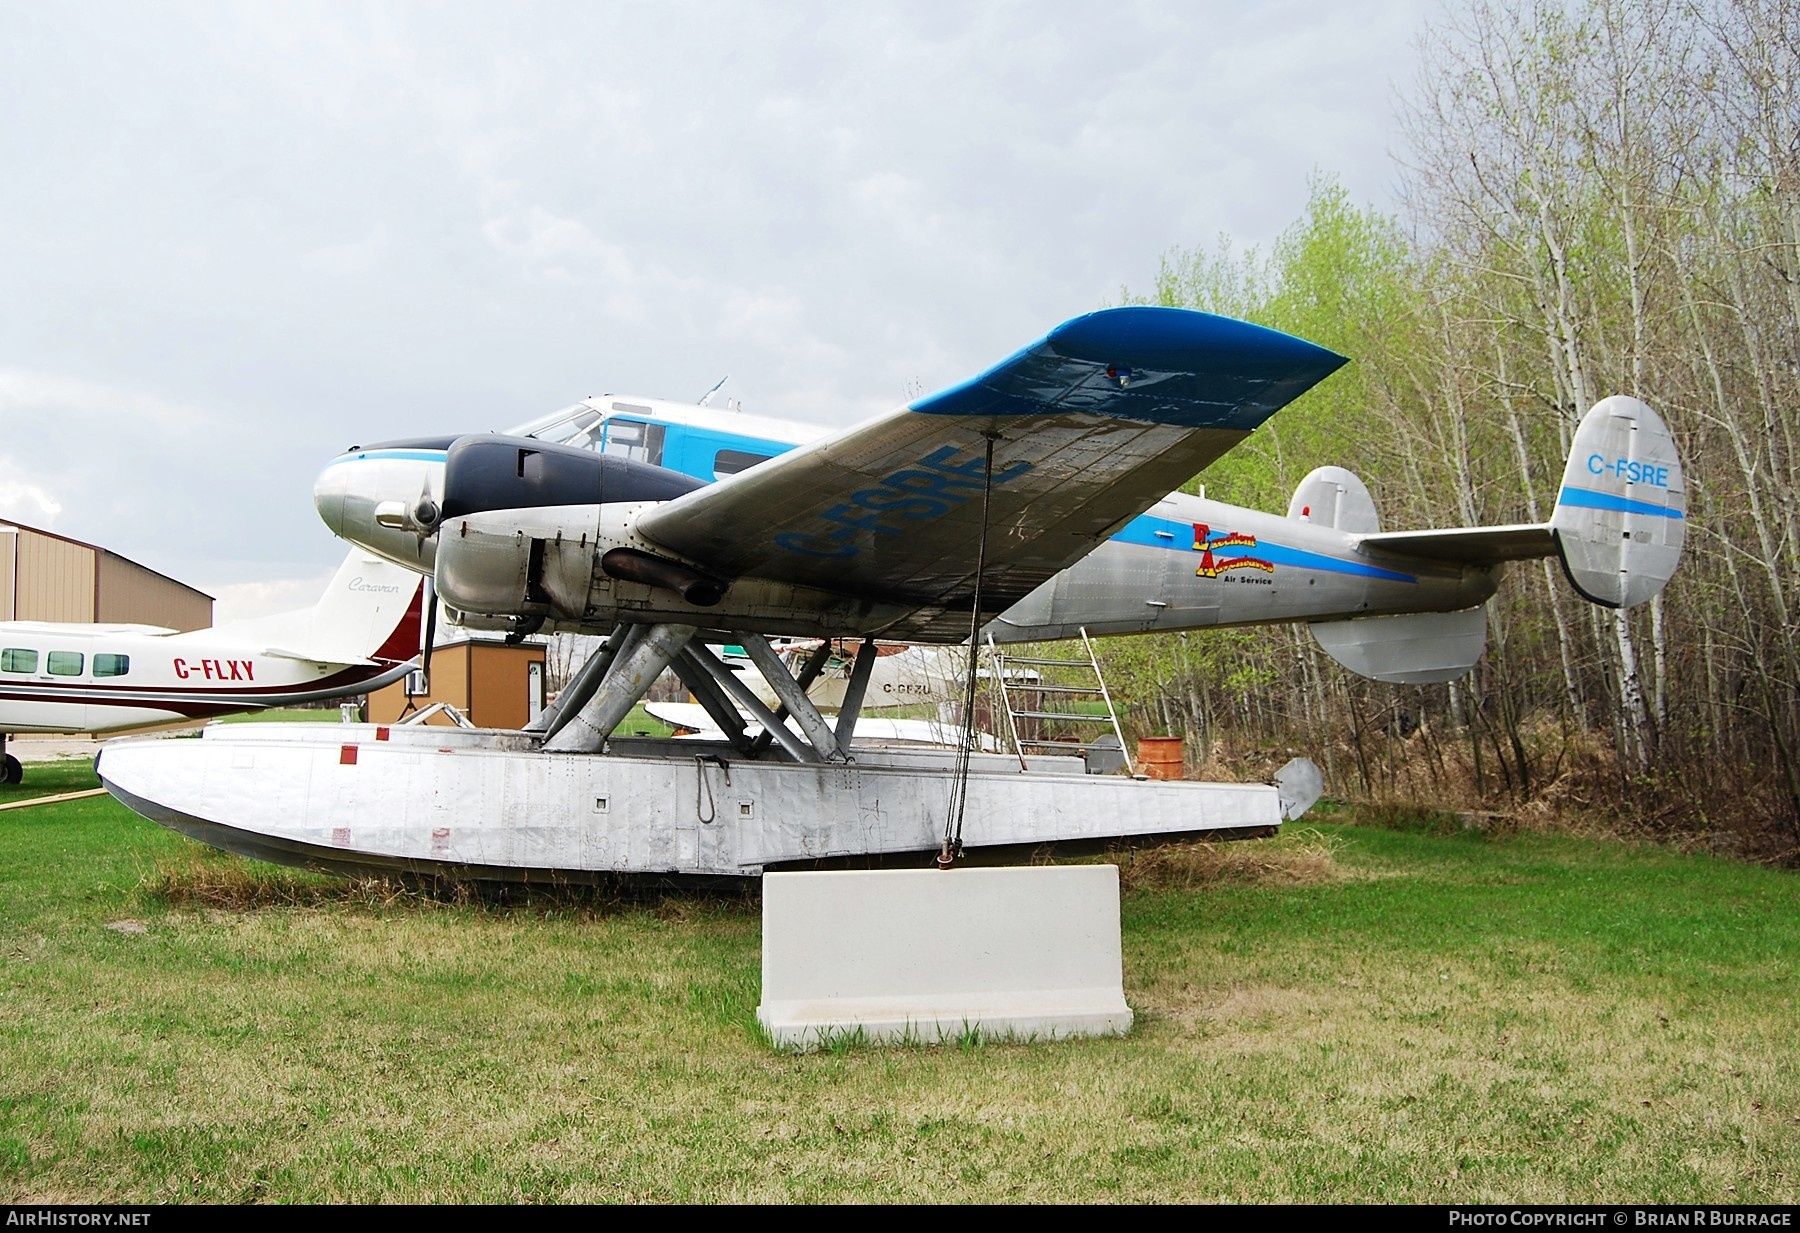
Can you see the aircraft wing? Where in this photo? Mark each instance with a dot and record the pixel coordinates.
(276, 652)
(68, 629)
(1090, 426)
(1470, 545)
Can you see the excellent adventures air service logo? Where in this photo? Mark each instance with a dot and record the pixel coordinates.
(1224, 551)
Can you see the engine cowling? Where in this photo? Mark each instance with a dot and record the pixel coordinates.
(488, 471)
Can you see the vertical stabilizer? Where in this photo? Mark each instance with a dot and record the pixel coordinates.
(1621, 516)
(1337, 498)
(1415, 648)
(1412, 648)
(371, 610)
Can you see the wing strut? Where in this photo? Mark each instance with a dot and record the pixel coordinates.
(959, 778)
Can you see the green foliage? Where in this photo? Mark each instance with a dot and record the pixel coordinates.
(1579, 221)
(1340, 277)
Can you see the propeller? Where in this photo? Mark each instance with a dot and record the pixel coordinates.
(426, 511)
(430, 635)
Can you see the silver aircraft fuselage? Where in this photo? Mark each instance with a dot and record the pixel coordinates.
(1185, 563)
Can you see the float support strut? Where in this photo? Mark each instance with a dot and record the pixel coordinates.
(635, 670)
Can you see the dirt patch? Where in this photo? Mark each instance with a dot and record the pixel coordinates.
(1303, 859)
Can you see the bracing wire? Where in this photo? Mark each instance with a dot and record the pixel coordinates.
(959, 776)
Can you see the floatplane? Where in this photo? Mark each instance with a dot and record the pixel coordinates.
(71, 677)
(1028, 503)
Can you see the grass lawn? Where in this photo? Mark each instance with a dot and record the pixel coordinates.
(1346, 1014)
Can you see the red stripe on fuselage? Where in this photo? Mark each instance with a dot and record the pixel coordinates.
(197, 703)
(403, 643)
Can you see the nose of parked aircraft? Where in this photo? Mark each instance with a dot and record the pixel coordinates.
(372, 496)
(328, 497)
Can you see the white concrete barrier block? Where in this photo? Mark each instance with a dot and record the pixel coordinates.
(931, 956)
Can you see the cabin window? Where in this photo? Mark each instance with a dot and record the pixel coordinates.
(112, 665)
(730, 462)
(18, 659)
(65, 663)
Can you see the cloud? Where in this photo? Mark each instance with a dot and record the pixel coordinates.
(349, 259)
(26, 502)
(547, 245)
(25, 393)
(242, 237)
(240, 601)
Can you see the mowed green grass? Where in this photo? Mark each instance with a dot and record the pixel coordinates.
(1346, 1014)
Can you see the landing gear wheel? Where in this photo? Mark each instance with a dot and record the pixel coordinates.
(10, 770)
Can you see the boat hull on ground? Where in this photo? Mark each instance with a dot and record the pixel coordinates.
(359, 799)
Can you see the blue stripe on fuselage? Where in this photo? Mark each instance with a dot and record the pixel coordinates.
(1179, 536)
(1587, 498)
(413, 455)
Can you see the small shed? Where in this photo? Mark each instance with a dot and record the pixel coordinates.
(493, 684)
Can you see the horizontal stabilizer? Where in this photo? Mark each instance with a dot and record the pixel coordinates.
(1415, 648)
(1336, 498)
(1468, 545)
(275, 652)
(1619, 523)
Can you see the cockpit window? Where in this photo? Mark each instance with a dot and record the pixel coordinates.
(112, 665)
(18, 659)
(579, 432)
(65, 663)
(634, 439)
(578, 425)
(588, 428)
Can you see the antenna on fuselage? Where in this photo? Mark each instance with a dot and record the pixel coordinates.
(707, 397)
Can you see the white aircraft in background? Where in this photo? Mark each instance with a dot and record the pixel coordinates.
(903, 676)
(362, 634)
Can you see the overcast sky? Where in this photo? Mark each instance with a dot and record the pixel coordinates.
(236, 239)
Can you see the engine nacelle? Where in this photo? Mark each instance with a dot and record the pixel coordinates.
(521, 562)
(582, 567)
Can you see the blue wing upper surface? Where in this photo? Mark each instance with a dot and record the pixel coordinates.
(1090, 425)
(1156, 365)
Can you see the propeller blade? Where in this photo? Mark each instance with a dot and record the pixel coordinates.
(430, 635)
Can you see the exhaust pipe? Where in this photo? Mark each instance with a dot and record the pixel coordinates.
(630, 565)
